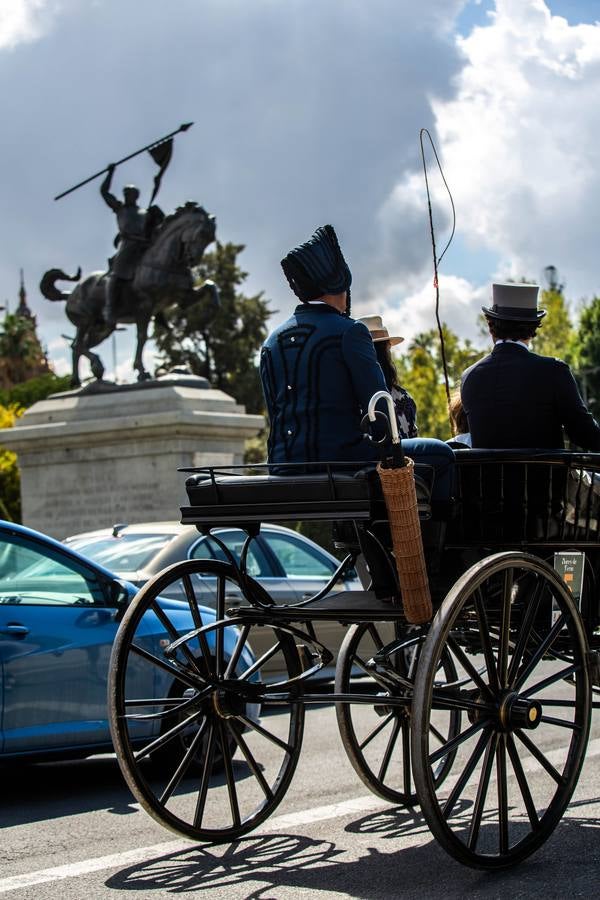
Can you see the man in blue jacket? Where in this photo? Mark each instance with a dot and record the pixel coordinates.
(319, 368)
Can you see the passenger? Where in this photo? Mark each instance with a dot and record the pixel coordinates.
(405, 406)
(459, 421)
(319, 368)
(515, 398)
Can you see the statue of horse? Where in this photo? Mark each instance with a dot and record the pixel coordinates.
(163, 277)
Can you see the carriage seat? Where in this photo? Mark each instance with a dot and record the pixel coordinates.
(527, 495)
(333, 495)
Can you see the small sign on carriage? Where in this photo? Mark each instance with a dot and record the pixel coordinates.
(569, 564)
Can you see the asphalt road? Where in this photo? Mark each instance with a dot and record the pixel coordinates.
(72, 830)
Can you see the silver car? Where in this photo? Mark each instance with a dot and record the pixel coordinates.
(288, 565)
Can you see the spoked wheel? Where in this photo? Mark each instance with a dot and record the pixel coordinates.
(188, 691)
(517, 639)
(376, 735)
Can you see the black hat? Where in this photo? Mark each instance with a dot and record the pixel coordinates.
(317, 267)
(515, 303)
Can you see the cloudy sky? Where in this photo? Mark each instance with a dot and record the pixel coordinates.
(306, 112)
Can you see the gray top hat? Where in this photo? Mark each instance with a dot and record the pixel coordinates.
(515, 303)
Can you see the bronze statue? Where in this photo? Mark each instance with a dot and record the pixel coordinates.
(150, 272)
(132, 240)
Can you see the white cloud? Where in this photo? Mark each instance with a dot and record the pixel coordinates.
(295, 128)
(520, 142)
(409, 313)
(22, 21)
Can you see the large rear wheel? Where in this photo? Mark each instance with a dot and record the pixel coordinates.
(518, 644)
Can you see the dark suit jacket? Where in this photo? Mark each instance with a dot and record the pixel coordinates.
(319, 371)
(515, 398)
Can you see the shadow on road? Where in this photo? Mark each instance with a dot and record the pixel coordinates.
(52, 790)
(262, 865)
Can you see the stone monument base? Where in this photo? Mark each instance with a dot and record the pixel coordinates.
(89, 460)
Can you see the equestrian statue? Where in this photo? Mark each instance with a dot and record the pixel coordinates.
(151, 269)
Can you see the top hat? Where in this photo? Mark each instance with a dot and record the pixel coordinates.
(378, 331)
(515, 303)
(317, 267)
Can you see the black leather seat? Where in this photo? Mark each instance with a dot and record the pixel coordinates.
(219, 499)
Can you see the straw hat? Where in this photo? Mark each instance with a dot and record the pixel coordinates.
(378, 330)
(515, 303)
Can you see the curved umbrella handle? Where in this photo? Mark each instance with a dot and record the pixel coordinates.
(384, 395)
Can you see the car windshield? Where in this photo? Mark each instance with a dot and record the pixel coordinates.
(126, 553)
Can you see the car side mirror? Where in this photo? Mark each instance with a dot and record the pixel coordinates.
(118, 593)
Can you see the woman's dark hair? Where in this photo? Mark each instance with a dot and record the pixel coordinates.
(383, 349)
(505, 330)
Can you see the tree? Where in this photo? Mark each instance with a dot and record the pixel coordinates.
(421, 373)
(13, 402)
(10, 491)
(225, 350)
(587, 354)
(556, 334)
(21, 354)
(34, 389)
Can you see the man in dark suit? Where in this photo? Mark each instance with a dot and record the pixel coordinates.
(319, 368)
(516, 398)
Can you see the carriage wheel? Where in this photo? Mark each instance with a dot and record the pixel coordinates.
(517, 639)
(192, 702)
(376, 737)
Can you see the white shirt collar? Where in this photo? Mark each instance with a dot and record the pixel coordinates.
(510, 341)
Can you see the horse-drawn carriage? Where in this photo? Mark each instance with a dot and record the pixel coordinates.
(481, 716)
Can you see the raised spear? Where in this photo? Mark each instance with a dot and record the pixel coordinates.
(151, 146)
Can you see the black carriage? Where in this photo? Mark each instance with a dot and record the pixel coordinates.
(481, 716)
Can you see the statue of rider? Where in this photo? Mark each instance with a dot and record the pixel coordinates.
(131, 242)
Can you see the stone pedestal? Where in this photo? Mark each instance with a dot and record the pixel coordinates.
(88, 461)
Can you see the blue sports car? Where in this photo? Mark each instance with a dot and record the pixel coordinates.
(59, 614)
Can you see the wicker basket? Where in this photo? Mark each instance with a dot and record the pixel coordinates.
(398, 487)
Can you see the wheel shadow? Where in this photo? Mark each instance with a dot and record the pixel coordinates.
(262, 867)
(54, 790)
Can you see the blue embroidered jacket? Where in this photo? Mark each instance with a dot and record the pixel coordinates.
(319, 371)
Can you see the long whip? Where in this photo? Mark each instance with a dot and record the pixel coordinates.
(437, 259)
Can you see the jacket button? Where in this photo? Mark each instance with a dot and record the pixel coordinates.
(289, 387)
(289, 430)
(292, 339)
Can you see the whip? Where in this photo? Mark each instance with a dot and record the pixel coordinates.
(437, 259)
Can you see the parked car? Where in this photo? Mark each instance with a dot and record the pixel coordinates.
(59, 614)
(288, 565)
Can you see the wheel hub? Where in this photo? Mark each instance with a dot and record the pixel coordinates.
(519, 712)
(227, 705)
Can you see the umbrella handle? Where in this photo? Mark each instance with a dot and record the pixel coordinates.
(393, 424)
(364, 424)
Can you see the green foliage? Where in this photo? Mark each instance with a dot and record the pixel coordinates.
(34, 389)
(587, 354)
(225, 349)
(555, 336)
(256, 448)
(10, 492)
(13, 402)
(421, 373)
